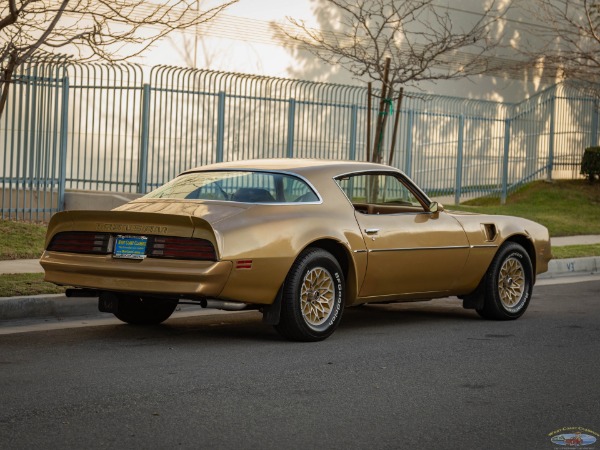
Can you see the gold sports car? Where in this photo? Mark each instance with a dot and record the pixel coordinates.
(299, 240)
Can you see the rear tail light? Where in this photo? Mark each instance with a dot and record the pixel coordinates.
(81, 242)
(180, 248)
(157, 246)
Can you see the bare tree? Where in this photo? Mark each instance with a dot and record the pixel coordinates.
(109, 30)
(399, 43)
(567, 38)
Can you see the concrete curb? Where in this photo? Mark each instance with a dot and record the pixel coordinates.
(57, 305)
(571, 267)
(13, 308)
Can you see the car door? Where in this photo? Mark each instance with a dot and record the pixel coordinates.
(410, 249)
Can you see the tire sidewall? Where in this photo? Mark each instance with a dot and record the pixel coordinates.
(314, 258)
(511, 250)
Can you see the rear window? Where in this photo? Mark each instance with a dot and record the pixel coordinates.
(238, 186)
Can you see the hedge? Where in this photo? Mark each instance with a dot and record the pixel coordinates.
(590, 163)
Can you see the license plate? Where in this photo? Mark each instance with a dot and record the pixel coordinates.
(130, 247)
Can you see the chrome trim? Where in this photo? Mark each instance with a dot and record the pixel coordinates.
(404, 214)
(275, 203)
(211, 200)
(485, 246)
(360, 251)
(451, 247)
(371, 231)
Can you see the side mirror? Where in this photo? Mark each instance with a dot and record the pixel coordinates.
(435, 207)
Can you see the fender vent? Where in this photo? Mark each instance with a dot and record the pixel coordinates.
(489, 229)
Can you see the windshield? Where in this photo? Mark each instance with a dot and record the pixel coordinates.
(237, 186)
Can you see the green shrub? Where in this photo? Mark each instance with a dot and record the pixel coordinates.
(590, 163)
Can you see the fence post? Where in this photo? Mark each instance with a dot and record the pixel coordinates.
(550, 164)
(409, 142)
(505, 161)
(30, 149)
(220, 126)
(62, 149)
(594, 133)
(291, 124)
(143, 167)
(353, 127)
(459, 162)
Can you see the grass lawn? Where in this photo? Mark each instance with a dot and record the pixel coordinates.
(565, 207)
(21, 240)
(14, 285)
(575, 251)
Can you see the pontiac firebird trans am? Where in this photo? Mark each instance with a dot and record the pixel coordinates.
(299, 240)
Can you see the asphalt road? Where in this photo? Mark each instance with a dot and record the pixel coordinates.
(419, 376)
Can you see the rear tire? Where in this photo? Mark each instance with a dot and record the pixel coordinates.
(313, 297)
(508, 284)
(136, 310)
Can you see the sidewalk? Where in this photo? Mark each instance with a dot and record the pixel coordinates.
(21, 266)
(588, 239)
(60, 306)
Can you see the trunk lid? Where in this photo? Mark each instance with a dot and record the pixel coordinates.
(168, 221)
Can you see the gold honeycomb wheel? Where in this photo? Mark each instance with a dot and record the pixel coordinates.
(317, 296)
(511, 282)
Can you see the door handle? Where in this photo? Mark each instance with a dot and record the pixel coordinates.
(371, 231)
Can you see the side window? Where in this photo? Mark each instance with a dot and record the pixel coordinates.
(379, 194)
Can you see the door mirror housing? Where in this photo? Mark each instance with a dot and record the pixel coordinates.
(435, 207)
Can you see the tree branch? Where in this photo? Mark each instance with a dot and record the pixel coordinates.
(417, 35)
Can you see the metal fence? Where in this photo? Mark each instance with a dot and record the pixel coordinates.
(102, 127)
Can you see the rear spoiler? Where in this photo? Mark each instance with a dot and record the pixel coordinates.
(129, 222)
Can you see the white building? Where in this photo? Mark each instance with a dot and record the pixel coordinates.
(243, 39)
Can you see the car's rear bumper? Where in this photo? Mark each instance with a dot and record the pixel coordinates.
(178, 278)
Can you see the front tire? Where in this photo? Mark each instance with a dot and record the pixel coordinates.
(313, 297)
(508, 284)
(136, 310)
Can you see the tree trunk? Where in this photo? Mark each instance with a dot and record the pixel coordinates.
(396, 122)
(5, 81)
(369, 106)
(376, 157)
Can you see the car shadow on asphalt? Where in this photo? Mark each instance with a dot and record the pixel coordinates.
(248, 326)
